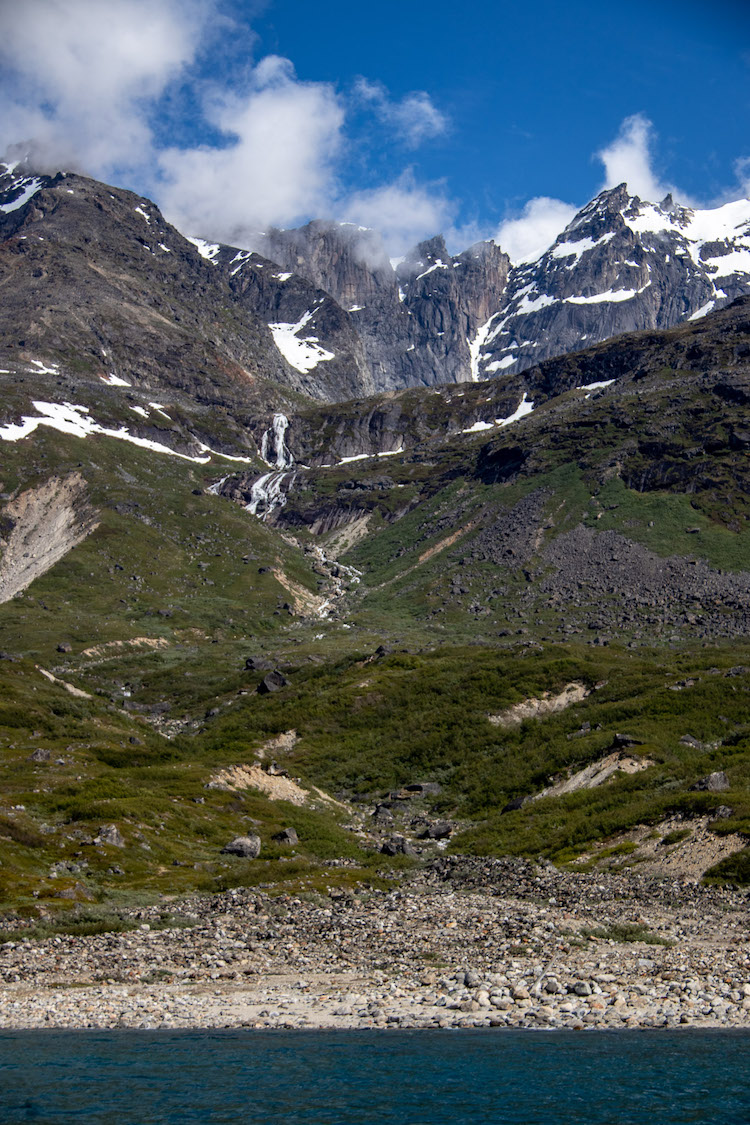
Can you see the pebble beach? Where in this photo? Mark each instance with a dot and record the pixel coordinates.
(461, 943)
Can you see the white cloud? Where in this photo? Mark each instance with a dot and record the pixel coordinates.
(405, 212)
(526, 237)
(414, 118)
(742, 172)
(278, 165)
(85, 77)
(629, 160)
(82, 73)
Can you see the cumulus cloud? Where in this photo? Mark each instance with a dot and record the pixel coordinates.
(82, 73)
(85, 80)
(277, 165)
(405, 212)
(742, 172)
(629, 159)
(414, 118)
(525, 237)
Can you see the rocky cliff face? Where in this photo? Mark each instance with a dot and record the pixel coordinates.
(417, 321)
(314, 334)
(621, 265)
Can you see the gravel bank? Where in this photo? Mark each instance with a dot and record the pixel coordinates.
(464, 943)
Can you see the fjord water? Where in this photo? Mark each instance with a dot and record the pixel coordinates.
(362, 1077)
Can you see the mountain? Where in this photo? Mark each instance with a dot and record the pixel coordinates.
(322, 311)
(243, 589)
(619, 266)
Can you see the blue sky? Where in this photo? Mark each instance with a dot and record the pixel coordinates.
(482, 119)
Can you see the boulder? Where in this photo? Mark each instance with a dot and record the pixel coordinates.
(273, 681)
(715, 782)
(383, 814)
(286, 836)
(516, 803)
(39, 756)
(109, 834)
(623, 741)
(440, 830)
(580, 988)
(258, 664)
(397, 845)
(246, 846)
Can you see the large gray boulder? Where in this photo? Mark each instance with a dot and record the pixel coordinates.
(716, 782)
(248, 847)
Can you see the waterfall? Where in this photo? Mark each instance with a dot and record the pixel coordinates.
(273, 447)
(266, 494)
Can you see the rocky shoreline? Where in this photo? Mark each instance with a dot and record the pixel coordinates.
(461, 943)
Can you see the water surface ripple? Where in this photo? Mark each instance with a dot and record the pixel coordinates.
(363, 1077)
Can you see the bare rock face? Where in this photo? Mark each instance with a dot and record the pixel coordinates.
(316, 336)
(286, 836)
(125, 295)
(248, 847)
(417, 322)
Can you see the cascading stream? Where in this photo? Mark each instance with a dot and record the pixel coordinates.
(266, 494)
(273, 447)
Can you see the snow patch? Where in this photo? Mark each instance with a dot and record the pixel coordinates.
(530, 304)
(475, 347)
(207, 250)
(724, 265)
(302, 353)
(68, 418)
(702, 311)
(500, 364)
(358, 457)
(596, 386)
(438, 265)
(611, 296)
(524, 407)
(115, 381)
(575, 250)
(226, 456)
(31, 187)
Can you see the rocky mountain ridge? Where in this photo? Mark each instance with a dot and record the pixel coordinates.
(322, 311)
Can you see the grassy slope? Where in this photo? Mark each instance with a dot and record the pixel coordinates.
(185, 570)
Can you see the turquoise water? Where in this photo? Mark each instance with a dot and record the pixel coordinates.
(363, 1077)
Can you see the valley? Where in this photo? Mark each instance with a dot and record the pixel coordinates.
(263, 579)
